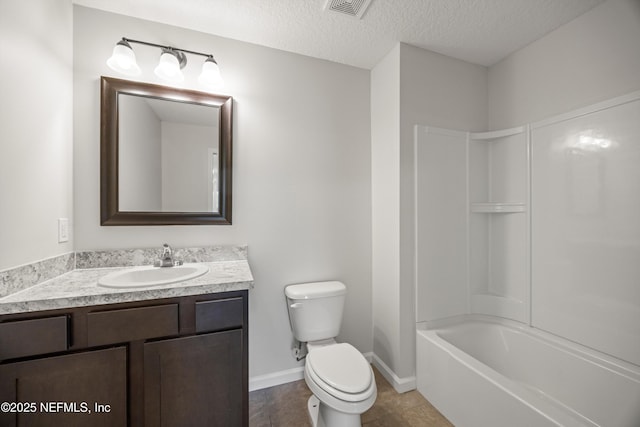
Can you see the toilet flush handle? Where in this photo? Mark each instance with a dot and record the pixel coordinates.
(295, 305)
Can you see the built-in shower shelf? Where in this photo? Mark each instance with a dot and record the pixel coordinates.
(493, 207)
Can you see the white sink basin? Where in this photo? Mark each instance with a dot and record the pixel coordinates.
(152, 276)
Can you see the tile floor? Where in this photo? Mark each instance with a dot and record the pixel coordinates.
(286, 406)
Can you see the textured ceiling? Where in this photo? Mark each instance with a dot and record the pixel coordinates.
(477, 31)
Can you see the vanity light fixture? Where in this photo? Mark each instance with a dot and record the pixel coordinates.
(172, 61)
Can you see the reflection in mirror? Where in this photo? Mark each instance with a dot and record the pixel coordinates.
(165, 155)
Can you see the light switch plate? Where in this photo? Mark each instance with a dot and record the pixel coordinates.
(63, 230)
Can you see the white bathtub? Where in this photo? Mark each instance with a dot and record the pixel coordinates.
(494, 373)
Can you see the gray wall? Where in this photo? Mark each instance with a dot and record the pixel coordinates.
(36, 125)
(590, 59)
(409, 86)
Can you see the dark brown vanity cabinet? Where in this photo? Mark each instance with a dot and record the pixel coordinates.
(185, 386)
(64, 390)
(170, 362)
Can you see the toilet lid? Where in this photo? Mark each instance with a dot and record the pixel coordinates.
(341, 366)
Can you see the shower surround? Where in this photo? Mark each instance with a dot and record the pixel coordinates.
(538, 225)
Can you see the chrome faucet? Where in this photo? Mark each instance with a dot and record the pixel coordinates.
(167, 258)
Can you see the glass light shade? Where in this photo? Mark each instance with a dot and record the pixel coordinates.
(169, 67)
(210, 75)
(123, 60)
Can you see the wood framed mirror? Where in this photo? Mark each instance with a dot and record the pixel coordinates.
(165, 155)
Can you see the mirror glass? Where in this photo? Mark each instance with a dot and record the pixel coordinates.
(165, 155)
(168, 155)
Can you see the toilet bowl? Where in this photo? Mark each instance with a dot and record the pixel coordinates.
(342, 384)
(337, 374)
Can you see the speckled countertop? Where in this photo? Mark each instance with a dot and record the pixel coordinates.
(79, 288)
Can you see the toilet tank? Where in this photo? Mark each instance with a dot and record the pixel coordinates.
(315, 309)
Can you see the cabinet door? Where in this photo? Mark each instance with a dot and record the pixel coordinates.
(65, 390)
(195, 381)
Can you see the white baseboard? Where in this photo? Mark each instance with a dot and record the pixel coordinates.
(401, 385)
(368, 356)
(276, 378)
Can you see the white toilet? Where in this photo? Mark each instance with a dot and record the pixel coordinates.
(339, 376)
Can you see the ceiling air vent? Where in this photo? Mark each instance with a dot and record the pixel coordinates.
(354, 8)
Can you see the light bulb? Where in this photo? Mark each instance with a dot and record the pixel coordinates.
(169, 67)
(210, 75)
(123, 60)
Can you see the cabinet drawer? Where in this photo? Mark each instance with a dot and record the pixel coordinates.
(33, 337)
(116, 326)
(219, 314)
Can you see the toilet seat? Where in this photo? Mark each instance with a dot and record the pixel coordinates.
(342, 371)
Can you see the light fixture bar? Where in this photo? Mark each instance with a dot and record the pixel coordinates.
(166, 47)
